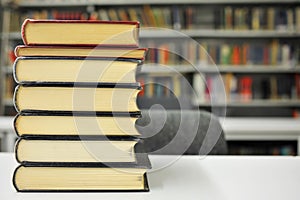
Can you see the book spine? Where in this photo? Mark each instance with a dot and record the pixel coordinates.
(23, 33)
(15, 70)
(14, 179)
(15, 98)
(17, 50)
(15, 124)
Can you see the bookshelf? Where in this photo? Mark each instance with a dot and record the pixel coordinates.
(274, 76)
(267, 27)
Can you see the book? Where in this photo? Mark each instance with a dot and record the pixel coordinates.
(67, 149)
(83, 178)
(199, 89)
(80, 32)
(225, 54)
(101, 98)
(76, 124)
(245, 88)
(64, 69)
(71, 51)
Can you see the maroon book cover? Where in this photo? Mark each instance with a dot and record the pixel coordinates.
(27, 41)
(126, 50)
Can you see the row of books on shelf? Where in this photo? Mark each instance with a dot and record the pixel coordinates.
(162, 86)
(181, 17)
(262, 148)
(296, 113)
(238, 88)
(246, 53)
(245, 88)
(260, 18)
(205, 53)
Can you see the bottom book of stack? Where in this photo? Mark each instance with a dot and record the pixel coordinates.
(80, 164)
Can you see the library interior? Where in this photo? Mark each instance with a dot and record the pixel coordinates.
(219, 78)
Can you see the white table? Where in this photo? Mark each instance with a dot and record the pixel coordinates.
(191, 177)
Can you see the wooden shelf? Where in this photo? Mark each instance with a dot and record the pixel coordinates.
(156, 68)
(167, 33)
(47, 3)
(11, 36)
(8, 102)
(250, 69)
(255, 103)
(7, 69)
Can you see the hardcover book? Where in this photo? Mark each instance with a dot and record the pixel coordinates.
(101, 149)
(42, 97)
(72, 51)
(80, 33)
(76, 124)
(81, 177)
(75, 69)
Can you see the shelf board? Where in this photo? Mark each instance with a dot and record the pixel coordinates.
(156, 68)
(46, 3)
(250, 69)
(12, 35)
(256, 103)
(7, 69)
(249, 128)
(166, 33)
(8, 102)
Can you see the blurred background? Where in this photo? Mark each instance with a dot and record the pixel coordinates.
(252, 46)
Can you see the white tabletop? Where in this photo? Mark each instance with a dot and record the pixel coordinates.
(191, 177)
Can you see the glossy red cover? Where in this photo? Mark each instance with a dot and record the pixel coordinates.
(27, 21)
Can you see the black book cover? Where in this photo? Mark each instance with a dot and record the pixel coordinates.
(140, 155)
(77, 84)
(75, 114)
(146, 188)
(136, 86)
(142, 162)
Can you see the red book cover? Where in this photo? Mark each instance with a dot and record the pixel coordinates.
(246, 88)
(236, 58)
(80, 33)
(142, 82)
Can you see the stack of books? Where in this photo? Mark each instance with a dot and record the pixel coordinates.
(76, 103)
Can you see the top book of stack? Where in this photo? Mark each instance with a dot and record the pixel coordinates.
(71, 32)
